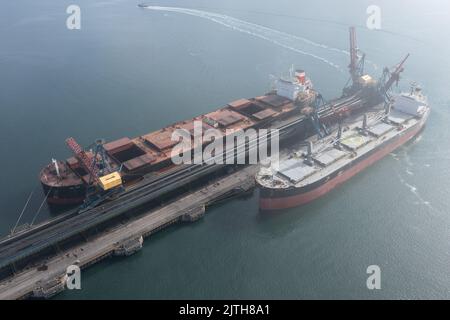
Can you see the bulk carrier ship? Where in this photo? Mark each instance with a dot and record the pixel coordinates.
(104, 170)
(124, 162)
(303, 176)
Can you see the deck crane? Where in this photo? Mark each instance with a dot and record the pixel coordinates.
(100, 174)
(100, 157)
(357, 59)
(388, 78)
(86, 161)
(320, 127)
(386, 81)
(356, 66)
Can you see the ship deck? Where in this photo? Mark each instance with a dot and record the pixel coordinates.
(330, 157)
(153, 151)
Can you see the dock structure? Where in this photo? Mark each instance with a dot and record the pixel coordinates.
(23, 245)
(46, 278)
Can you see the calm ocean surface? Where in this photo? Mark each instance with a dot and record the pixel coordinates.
(129, 71)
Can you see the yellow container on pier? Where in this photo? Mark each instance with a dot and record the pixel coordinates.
(110, 181)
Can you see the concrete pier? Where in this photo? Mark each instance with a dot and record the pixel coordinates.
(129, 246)
(48, 278)
(194, 214)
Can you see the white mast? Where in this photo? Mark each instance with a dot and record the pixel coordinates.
(56, 167)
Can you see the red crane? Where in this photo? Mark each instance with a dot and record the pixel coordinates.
(86, 161)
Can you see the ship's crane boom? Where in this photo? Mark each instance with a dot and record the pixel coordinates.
(320, 127)
(86, 162)
(389, 78)
(356, 66)
(353, 54)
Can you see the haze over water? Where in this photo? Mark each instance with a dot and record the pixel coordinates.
(129, 71)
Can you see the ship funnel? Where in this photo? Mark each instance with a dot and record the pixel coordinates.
(300, 75)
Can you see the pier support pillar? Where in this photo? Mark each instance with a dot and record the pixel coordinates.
(48, 288)
(193, 214)
(128, 247)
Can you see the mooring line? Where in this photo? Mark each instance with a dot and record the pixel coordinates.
(40, 207)
(23, 210)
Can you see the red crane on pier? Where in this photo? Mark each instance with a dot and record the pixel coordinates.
(86, 161)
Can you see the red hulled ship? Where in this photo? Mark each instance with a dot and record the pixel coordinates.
(303, 176)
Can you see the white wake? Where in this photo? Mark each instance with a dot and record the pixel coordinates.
(280, 38)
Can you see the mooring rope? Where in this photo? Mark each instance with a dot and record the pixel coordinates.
(23, 210)
(40, 207)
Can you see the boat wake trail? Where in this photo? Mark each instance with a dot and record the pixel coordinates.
(288, 41)
(415, 192)
(408, 165)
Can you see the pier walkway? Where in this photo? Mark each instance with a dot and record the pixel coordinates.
(47, 278)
